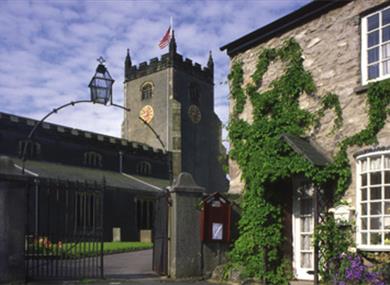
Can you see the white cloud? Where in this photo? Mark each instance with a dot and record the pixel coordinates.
(48, 48)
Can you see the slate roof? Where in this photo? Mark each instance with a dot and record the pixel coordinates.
(73, 133)
(113, 180)
(307, 149)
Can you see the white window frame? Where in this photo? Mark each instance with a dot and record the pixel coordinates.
(364, 48)
(359, 159)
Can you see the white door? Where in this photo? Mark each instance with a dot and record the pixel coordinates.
(303, 226)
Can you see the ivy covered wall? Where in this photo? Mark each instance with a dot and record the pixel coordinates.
(303, 84)
(332, 56)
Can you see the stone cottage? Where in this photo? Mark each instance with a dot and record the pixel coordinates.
(345, 49)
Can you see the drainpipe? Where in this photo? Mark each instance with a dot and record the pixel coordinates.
(120, 161)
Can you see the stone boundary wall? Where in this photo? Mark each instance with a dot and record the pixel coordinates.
(12, 231)
(331, 47)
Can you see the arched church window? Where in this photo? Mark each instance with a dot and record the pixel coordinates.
(32, 149)
(144, 168)
(194, 94)
(146, 91)
(93, 159)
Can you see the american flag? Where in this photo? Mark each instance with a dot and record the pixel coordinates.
(165, 39)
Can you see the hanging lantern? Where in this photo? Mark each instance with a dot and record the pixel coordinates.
(101, 84)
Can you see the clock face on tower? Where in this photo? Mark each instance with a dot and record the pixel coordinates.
(194, 114)
(147, 113)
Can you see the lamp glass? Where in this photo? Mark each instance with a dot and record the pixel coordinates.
(101, 85)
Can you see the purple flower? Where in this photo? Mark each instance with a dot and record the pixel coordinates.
(350, 269)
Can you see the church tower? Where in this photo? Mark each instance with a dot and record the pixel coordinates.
(176, 97)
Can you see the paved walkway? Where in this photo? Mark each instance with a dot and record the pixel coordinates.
(127, 268)
(132, 268)
(132, 265)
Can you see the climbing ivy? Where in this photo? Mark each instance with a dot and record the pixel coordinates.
(331, 101)
(236, 76)
(265, 159)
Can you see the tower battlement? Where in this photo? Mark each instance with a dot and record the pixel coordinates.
(170, 60)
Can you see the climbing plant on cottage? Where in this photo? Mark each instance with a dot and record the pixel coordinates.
(264, 158)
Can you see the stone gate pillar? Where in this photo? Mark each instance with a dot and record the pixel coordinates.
(12, 223)
(184, 256)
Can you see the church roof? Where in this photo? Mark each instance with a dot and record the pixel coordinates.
(111, 179)
(72, 132)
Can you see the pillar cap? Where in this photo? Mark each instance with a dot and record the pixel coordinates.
(185, 183)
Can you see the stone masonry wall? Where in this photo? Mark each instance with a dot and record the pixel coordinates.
(331, 48)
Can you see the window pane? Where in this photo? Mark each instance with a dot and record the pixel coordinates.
(364, 209)
(364, 165)
(364, 194)
(306, 206)
(305, 242)
(375, 163)
(373, 54)
(373, 22)
(376, 193)
(385, 53)
(373, 71)
(386, 34)
(375, 223)
(375, 178)
(387, 177)
(364, 224)
(386, 158)
(375, 238)
(386, 223)
(386, 67)
(387, 238)
(364, 180)
(364, 238)
(373, 39)
(387, 192)
(385, 16)
(306, 224)
(306, 260)
(387, 208)
(375, 208)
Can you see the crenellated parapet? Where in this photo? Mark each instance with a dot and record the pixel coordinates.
(133, 147)
(170, 60)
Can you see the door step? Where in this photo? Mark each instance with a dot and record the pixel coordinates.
(301, 282)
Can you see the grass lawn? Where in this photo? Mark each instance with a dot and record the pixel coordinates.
(88, 249)
(124, 246)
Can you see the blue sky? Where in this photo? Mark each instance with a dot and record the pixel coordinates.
(48, 49)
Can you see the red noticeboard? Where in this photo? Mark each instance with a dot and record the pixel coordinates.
(215, 218)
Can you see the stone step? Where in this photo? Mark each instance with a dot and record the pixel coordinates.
(301, 282)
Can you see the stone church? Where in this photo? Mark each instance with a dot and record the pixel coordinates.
(176, 97)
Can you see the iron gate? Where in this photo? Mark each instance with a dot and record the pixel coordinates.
(64, 234)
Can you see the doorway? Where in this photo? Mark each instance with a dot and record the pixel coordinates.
(303, 229)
